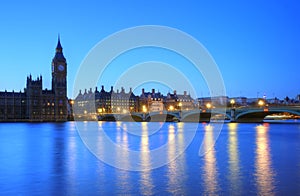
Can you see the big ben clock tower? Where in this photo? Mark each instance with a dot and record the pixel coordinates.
(59, 83)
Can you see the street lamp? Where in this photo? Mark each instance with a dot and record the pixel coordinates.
(144, 109)
(171, 108)
(261, 103)
(232, 102)
(180, 105)
(208, 105)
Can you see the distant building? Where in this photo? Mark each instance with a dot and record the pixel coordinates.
(151, 101)
(36, 104)
(252, 101)
(239, 101)
(103, 102)
(84, 103)
(203, 101)
(13, 105)
(185, 102)
(273, 101)
(297, 98)
(122, 102)
(171, 101)
(179, 102)
(217, 101)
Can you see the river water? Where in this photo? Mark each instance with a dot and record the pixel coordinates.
(57, 159)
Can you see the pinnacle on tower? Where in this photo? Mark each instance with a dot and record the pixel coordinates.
(59, 54)
(58, 47)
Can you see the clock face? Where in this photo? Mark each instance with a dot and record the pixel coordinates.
(61, 67)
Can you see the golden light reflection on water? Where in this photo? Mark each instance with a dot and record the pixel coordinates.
(172, 177)
(264, 173)
(210, 168)
(119, 123)
(106, 152)
(122, 156)
(145, 142)
(100, 123)
(100, 142)
(176, 168)
(233, 161)
(100, 150)
(146, 184)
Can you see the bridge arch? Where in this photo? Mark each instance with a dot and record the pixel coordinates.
(108, 117)
(259, 114)
(131, 118)
(198, 116)
(162, 117)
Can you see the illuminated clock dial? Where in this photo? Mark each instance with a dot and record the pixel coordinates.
(61, 67)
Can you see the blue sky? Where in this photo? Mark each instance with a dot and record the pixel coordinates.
(256, 44)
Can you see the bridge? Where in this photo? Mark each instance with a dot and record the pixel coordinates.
(259, 113)
(241, 114)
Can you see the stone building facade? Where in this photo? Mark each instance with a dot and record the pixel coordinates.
(92, 103)
(151, 101)
(36, 104)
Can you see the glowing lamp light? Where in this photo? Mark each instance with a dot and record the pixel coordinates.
(208, 105)
(232, 101)
(261, 103)
(144, 109)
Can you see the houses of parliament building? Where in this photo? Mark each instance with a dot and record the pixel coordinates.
(36, 103)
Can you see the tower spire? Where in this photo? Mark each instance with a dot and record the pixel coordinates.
(59, 51)
(58, 47)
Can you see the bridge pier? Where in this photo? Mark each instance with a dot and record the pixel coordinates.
(232, 115)
(180, 116)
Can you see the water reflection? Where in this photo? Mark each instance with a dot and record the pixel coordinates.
(59, 157)
(38, 158)
(72, 158)
(123, 178)
(146, 184)
(233, 161)
(172, 178)
(264, 171)
(210, 168)
(176, 168)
